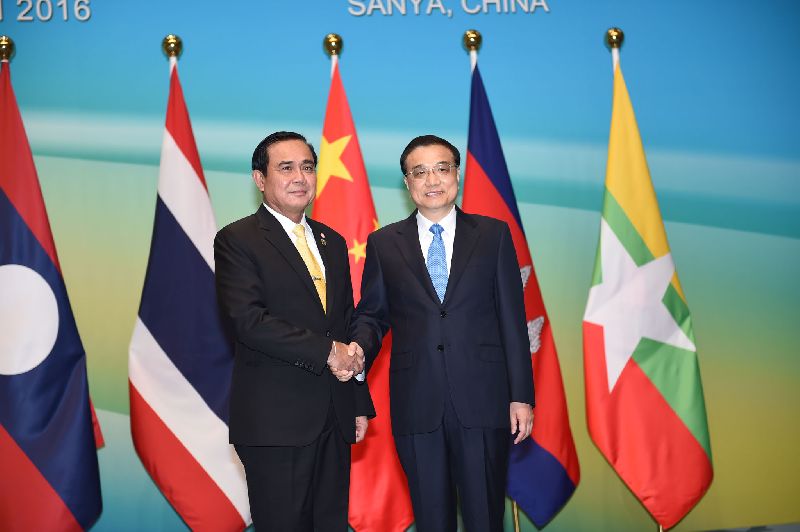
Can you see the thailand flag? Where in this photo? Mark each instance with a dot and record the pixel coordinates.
(543, 470)
(180, 359)
(49, 478)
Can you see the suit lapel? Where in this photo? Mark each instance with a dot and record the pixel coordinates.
(463, 245)
(322, 246)
(408, 243)
(273, 232)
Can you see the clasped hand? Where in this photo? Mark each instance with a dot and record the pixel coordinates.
(345, 361)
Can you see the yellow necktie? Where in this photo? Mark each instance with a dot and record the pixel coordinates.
(311, 263)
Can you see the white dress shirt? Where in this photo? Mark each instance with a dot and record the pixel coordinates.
(288, 226)
(448, 224)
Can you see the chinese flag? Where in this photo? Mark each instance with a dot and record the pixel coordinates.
(379, 499)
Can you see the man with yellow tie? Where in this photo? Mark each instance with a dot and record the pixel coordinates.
(283, 283)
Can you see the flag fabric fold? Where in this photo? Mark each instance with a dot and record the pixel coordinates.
(180, 360)
(543, 469)
(644, 397)
(379, 499)
(49, 477)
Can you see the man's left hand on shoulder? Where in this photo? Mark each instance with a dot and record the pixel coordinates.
(521, 420)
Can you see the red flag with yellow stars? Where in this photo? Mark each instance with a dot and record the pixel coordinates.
(379, 499)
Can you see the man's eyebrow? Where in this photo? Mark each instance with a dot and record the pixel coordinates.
(304, 161)
(433, 164)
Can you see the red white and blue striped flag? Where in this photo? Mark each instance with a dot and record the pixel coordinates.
(543, 470)
(180, 359)
(49, 478)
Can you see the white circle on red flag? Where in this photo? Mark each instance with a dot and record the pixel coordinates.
(28, 319)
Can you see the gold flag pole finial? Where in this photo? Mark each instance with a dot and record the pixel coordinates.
(472, 40)
(614, 38)
(172, 46)
(333, 44)
(7, 48)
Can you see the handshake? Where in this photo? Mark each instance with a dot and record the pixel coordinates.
(345, 361)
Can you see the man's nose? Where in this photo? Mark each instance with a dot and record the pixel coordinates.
(431, 179)
(298, 176)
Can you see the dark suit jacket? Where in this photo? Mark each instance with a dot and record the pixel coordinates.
(281, 388)
(473, 347)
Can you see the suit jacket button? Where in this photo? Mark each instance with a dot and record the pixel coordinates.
(440, 347)
(443, 314)
(328, 334)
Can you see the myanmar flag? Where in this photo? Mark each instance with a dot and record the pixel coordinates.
(644, 398)
(379, 500)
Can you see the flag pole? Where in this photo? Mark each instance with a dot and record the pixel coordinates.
(7, 49)
(333, 45)
(614, 39)
(472, 42)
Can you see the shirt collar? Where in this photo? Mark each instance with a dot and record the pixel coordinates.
(448, 223)
(286, 223)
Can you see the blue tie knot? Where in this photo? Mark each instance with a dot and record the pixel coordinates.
(436, 229)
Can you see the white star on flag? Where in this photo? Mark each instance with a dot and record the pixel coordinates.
(628, 304)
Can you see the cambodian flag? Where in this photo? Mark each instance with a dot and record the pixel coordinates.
(543, 470)
(49, 477)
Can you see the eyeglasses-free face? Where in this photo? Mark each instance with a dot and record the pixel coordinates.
(290, 181)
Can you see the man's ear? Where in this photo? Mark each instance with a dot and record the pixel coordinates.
(258, 179)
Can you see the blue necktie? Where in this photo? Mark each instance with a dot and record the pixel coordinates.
(437, 263)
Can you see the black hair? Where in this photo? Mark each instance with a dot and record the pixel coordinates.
(428, 140)
(260, 155)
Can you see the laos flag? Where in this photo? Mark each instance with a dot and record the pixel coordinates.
(543, 469)
(49, 477)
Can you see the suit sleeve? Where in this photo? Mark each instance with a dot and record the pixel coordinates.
(364, 406)
(238, 291)
(511, 317)
(370, 320)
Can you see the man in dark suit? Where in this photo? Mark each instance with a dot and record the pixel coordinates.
(448, 284)
(283, 282)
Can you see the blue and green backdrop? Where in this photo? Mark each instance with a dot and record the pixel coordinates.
(714, 86)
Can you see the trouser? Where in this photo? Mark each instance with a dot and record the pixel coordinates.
(299, 489)
(455, 462)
